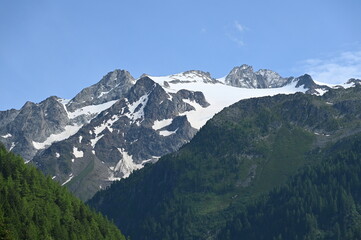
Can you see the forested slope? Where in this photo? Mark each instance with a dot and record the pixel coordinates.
(320, 202)
(33, 206)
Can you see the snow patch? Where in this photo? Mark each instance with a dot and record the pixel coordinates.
(7, 135)
(321, 91)
(91, 109)
(107, 124)
(125, 165)
(53, 177)
(158, 124)
(139, 114)
(77, 153)
(166, 133)
(57, 155)
(80, 138)
(12, 146)
(69, 179)
(95, 140)
(99, 129)
(102, 94)
(68, 131)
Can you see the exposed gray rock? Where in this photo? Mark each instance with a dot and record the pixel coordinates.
(307, 82)
(34, 122)
(113, 86)
(7, 117)
(245, 77)
(354, 81)
(122, 138)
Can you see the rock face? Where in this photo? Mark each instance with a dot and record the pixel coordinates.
(139, 128)
(34, 122)
(113, 86)
(245, 77)
(119, 124)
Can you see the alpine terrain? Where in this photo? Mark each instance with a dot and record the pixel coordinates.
(120, 124)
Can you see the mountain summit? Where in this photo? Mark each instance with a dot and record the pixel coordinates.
(245, 77)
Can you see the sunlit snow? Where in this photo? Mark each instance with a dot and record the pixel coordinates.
(77, 153)
(139, 114)
(218, 95)
(69, 130)
(69, 179)
(125, 165)
(12, 146)
(95, 140)
(91, 109)
(158, 124)
(166, 133)
(7, 135)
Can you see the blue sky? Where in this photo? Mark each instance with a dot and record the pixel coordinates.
(59, 47)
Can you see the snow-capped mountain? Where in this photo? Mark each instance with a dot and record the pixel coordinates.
(119, 124)
(36, 126)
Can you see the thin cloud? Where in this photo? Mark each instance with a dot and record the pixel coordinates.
(236, 40)
(236, 33)
(239, 26)
(336, 69)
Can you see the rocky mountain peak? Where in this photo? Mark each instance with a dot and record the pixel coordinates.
(307, 82)
(192, 76)
(111, 87)
(245, 77)
(354, 81)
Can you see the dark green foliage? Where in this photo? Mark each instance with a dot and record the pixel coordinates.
(33, 206)
(320, 202)
(241, 154)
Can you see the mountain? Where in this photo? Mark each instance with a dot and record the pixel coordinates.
(36, 126)
(33, 206)
(119, 124)
(245, 77)
(322, 202)
(242, 153)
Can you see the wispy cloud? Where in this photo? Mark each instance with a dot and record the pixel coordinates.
(236, 40)
(236, 33)
(239, 27)
(335, 69)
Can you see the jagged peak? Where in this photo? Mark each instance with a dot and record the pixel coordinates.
(51, 99)
(356, 81)
(305, 80)
(113, 78)
(193, 76)
(245, 77)
(28, 104)
(111, 87)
